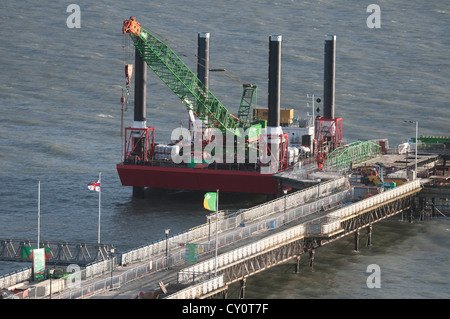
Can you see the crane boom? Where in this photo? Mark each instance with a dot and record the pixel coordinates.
(181, 80)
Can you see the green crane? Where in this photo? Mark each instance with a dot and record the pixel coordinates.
(185, 84)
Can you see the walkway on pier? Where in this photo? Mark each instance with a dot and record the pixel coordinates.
(151, 259)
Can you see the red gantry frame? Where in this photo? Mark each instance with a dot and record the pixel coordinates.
(135, 137)
(328, 132)
(283, 159)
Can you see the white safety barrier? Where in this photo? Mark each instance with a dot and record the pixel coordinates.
(149, 251)
(331, 227)
(11, 279)
(195, 235)
(295, 199)
(367, 203)
(199, 289)
(375, 200)
(191, 273)
(99, 268)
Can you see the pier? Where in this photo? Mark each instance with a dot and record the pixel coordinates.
(292, 242)
(250, 241)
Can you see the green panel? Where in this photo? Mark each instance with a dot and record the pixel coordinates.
(191, 253)
(254, 131)
(433, 139)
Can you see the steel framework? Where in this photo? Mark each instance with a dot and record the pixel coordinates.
(378, 213)
(261, 262)
(328, 134)
(139, 143)
(241, 269)
(181, 80)
(248, 96)
(353, 153)
(60, 252)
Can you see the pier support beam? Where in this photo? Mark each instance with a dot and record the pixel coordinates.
(297, 265)
(242, 291)
(225, 294)
(311, 257)
(369, 235)
(433, 212)
(421, 208)
(357, 240)
(138, 192)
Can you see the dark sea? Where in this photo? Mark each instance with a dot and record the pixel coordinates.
(60, 120)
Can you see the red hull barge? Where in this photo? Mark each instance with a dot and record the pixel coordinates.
(203, 179)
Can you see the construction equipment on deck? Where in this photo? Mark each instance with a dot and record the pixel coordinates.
(186, 85)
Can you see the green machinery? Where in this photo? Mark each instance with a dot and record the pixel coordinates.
(432, 143)
(433, 139)
(186, 85)
(353, 153)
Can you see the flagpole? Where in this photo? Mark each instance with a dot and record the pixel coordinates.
(39, 214)
(99, 204)
(217, 218)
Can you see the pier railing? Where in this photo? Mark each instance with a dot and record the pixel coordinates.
(200, 289)
(204, 231)
(13, 278)
(377, 199)
(201, 270)
(333, 224)
(295, 199)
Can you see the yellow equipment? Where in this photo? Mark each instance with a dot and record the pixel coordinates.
(286, 115)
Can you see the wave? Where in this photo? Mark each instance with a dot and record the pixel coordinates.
(105, 115)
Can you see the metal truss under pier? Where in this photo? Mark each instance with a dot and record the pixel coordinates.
(287, 251)
(57, 252)
(251, 266)
(405, 204)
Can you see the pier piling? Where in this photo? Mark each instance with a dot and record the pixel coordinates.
(357, 240)
(369, 235)
(311, 257)
(242, 290)
(297, 265)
